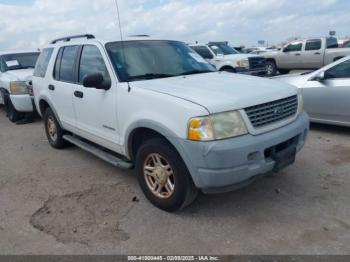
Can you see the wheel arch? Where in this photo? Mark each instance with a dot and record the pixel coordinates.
(338, 58)
(43, 104)
(143, 130)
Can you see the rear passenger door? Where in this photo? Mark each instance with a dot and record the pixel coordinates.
(312, 57)
(96, 112)
(63, 83)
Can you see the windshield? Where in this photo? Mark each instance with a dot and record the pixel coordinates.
(148, 59)
(20, 61)
(223, 49)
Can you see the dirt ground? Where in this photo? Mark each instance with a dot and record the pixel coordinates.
(69, 202)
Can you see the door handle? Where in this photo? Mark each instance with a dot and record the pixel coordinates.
(51, 87)
(297, 54)
(317, 53)
(79, 94)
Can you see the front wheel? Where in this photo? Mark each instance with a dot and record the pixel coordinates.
(11, 111)
(163, 176)
(271, 68)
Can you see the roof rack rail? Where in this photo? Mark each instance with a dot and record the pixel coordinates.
(68, 38)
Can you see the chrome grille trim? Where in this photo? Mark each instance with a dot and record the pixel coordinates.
(272, 112)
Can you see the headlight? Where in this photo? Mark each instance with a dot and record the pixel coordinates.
(243, 63)
(18, 88)
(217, 126)
(300, 102)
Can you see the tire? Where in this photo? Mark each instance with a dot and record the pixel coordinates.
(228, 69)
(271, 68)
(283, 71)
(54, 131)
(12, 114)
(183, 191)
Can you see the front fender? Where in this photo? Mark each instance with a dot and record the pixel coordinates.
(150, 124)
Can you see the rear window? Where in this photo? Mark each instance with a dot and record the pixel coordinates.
(332, 42)
(314, 44)
(43, 62)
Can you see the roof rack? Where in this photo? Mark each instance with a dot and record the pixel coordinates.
(68, 38)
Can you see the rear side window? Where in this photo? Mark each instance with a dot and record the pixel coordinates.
(203, 51)
(92, 62)
(65, 64)
(332, 42)
(313, 45)
(43, 62)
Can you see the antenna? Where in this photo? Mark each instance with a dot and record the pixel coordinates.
(121, 37)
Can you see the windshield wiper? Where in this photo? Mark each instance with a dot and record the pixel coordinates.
(149, 76)
(193, 72)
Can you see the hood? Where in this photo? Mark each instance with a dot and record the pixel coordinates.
(21, 74)
(269, 54)
(238, 56)
(297, 80)
(220, 91)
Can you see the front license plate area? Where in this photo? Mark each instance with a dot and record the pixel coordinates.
(284, 158)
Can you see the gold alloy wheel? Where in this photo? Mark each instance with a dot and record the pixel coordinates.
(51, 128)
(159, 176)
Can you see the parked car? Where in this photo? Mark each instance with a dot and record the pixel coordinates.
(326, 92)
(158, 107)
(16, 70)
(346, 44)
(225, 58)
(305, 54)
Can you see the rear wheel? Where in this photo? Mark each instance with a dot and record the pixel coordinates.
(12, 114)
(163, 176)
(54, 132)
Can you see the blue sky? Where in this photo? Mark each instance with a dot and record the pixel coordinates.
(33, 23)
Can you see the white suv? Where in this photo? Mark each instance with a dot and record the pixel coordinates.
(158, 107)
(16, 70)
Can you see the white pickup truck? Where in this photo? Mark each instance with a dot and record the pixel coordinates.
(16, 70)
(158, 107)
(304, 54)
(226, 58)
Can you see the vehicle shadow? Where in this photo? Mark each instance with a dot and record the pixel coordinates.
(343, 130)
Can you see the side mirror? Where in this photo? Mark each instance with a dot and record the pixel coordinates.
(320, 77)
(95, 80)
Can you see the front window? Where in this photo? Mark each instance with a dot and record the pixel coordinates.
(20, 61)
(223, 49)
(148, 59)
(294, 47)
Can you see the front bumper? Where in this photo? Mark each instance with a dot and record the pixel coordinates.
(23, 103)
(223, 166)
(253, 72)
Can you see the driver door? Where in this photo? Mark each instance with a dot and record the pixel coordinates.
(96, 112)
(291, 56)
(329, 99)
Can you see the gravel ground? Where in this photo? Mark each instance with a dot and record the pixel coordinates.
(69, 202)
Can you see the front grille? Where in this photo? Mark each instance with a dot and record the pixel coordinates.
(257, 62)
(272, 112)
